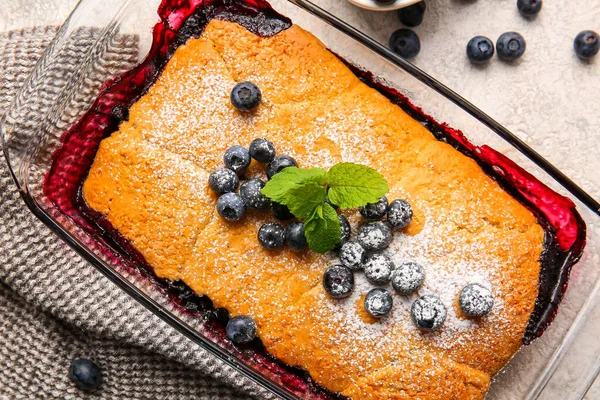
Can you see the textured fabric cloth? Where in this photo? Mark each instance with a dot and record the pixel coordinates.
(37, 349)
(100, 321)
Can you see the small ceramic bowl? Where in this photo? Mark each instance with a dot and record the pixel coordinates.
(375, 6)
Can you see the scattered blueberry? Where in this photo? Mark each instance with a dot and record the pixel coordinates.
(245, 96)
(587, 44)
(475, 300)
(378, 268)
(279, 163)
(237, 159)
(262, 150)
(510, 46)
(374, 211)
(281, 211)
(374, 236)
(352, 255)
(407, 277)
(345, 226)
(271, 235)
(428, 313)
(405, 43)
(231, 206)
(338, 281)
(85, 374)
(399, 214)
(241, 329)
(529, 8)
(412, 16)
(480, 49)
(378, 302)
(294, 236)
(253, 198)
(223, 181)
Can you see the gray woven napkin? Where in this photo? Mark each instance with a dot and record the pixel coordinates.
(41, 276)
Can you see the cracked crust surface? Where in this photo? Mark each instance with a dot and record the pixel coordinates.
(150, 180)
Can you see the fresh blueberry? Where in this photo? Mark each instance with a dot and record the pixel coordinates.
(399, 214)
(338, 281)
(85, 374)
(245, 96)
(279, 163)
(281, 211)
(476, 300)
(405, 43)
(378, 268)
(237, 159)
(480, 49)
(223, 181)
(510, 46)
(271, 235)
(294, 236)
(231, 206)
(587, 44)
(374, 236)
(241, 329)
(262, 150)
(374, 211)
(378, 302)
(253, 198)
(428, 313)
(346, 230)
(352, 255)
(407, 277)
(529, 8)
(412, 16)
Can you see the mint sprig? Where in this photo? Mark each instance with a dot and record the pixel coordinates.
(304, 191)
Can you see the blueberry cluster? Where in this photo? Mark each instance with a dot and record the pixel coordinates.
(366, 254)
(232, 206)
(510, 45)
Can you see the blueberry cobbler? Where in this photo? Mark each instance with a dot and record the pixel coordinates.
(339, 226)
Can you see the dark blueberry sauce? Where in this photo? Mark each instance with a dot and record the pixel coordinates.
(183, 19)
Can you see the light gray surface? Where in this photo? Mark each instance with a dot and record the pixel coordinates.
(549, 98)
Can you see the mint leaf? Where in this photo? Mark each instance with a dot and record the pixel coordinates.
(303, 198)
(280, 184)
(354, 185)
(322, 228)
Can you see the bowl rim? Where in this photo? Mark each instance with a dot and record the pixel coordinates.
(373, 6)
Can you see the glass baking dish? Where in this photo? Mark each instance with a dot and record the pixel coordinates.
(113, 36)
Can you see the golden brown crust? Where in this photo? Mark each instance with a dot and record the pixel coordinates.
(150, 180)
